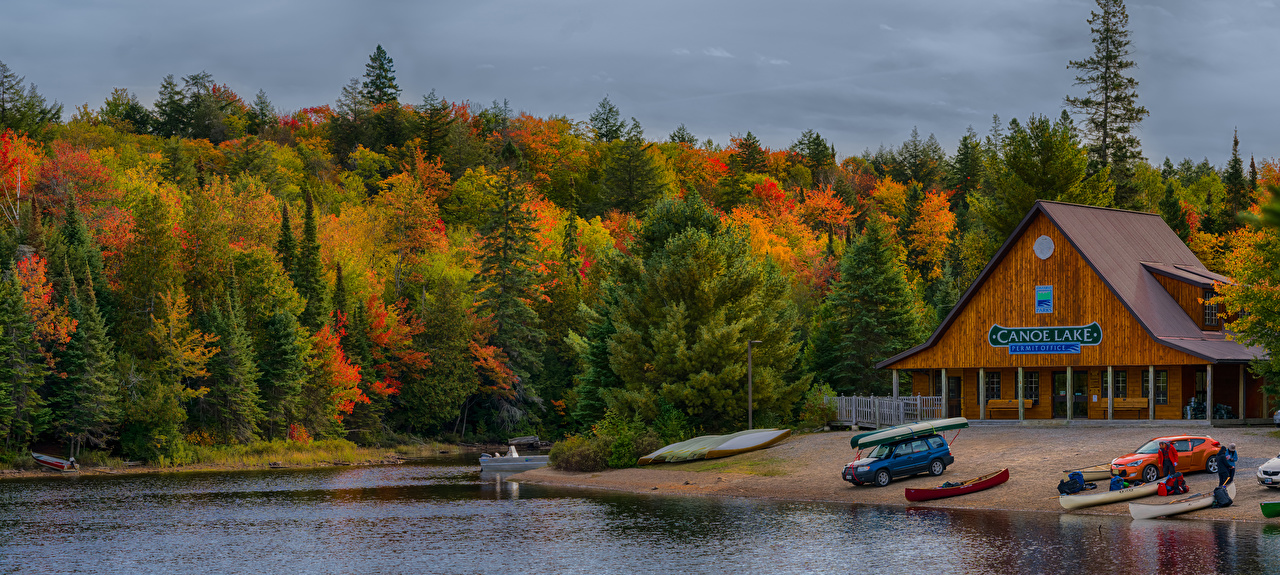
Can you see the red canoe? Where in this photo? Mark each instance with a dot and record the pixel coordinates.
(55, 462)
(985, 482)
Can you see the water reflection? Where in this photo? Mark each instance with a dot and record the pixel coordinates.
(444, 516)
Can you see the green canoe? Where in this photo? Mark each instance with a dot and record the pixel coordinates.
(1271, 509)
(874, 438)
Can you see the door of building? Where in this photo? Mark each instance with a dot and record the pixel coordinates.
(1078, 402)
(953, 395)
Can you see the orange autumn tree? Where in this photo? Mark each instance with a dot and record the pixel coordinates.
(53, 325)
(20, 161)
(333, 388)
(931, 232)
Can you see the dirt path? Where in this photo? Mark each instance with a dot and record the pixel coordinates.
(808, 468)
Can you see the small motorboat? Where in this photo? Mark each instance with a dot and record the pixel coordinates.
(57, 463)
(1099, 472)
(951, 490)
(512, 461)
(1100, 497)
(1271, 509)
(1190, 503)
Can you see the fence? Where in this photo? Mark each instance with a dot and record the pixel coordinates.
(880, 412)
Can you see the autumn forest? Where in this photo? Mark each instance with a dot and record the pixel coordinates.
(209, 270)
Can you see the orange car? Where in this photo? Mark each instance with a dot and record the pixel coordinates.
(1195, 453)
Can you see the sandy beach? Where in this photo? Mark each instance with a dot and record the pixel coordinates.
(807, 468)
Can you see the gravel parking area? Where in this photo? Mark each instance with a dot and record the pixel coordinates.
(807, 467)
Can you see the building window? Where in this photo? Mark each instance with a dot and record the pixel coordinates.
(1162, 386)
(1031, 386)
(993, 385)
(1120, 381)
(1210, 310)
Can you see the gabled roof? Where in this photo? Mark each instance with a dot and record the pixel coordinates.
(1124, 248)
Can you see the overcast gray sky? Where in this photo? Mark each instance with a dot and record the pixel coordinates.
(860, 73)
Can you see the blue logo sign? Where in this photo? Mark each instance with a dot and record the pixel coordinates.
(1044, 299)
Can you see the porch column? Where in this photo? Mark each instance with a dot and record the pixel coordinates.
(1071, 393)
(1021, 415)
(1208, 393)
(1151, 391)
(1111, 393)
(982, 393)
(945, 395)
(1242, 410)
(895, 384)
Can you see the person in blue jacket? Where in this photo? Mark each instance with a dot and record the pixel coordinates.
(1227, 458)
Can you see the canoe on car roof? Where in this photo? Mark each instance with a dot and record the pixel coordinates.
(897, 432)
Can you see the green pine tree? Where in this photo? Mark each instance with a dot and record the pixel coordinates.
(286, 246)
(24, 110)
(22, 368)
(435, 118)
(379, 85)
(750, 156)
(430, 402)
(308, 276)
(1238, 196)
(632, 179)
(818, 154)
(682, 135)
(85, 399)
(232, 399)
(172, 115)
(1173, 214)
(606, 122)
(282, 364)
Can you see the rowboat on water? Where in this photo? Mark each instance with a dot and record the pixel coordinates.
(1100, 497)
(1190, 503)
(1271, 509)
(56, 463)
(713, 446)
(1097, 472)
(512, 463)
(977, 484)
(874, 438)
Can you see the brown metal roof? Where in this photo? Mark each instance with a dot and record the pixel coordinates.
(1122, 247)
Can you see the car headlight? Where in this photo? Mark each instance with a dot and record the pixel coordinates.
(864, 468)
(1133, 464)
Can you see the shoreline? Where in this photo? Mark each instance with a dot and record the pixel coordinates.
(807, 468)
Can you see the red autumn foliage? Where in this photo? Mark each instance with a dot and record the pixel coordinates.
(343, 377)
(391, 332)
(54, 325)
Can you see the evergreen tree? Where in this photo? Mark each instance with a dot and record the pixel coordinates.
(1110, 107)
(868, 316)
(22, 370)
(150, 269)
(179, 167)
(506, 277)
(599, 377)
(232, 400)
(340, 305)
(172, 116)
(606, 122)
(286, 246)
(262, 114)
(434, 399)
(435, 120)
(750, 156)
(1173, 214)
(24, 110)
(966, 173)
(308, 276)
(282, 365)
(682, 135)
(1237, 198)
(632, 178)
(85, 402)
(1253, 178)
(125, 113)
(816, 151)
(379, 85)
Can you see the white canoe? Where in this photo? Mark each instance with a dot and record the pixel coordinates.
(713, 446)
(519, 463)
(1102, 497)
(1190, 503)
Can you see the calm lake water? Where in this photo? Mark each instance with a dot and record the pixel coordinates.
(443, 516)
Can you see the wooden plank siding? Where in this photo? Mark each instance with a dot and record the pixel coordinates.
(1189, 299)
(1007, 298)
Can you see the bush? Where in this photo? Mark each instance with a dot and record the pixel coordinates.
(579, 453)
(816, 411)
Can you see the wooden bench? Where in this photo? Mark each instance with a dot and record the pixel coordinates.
(1006, 406)
(1137, 405)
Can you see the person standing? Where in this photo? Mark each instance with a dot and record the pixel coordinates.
(1227, 458)
(1168, 459)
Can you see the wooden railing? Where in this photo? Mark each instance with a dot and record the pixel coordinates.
(880, 412)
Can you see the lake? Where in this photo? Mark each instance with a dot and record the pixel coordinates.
(444, 516)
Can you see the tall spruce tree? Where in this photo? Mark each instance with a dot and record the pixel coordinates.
(436, 398)
(282, 365)
(1237, 197)
(85, 390)
(286, 246)
(868, 316)
(308, 275)
(1110, 108)
(24, 110)
(1173, 214)
(435, 118)
(22, 368)
(172, 116)
(606, 122)
(632, 179)
(232, 400)
(682, 135)
(379, 85)
(750, 156)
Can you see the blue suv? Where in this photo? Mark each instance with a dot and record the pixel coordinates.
(928, 453)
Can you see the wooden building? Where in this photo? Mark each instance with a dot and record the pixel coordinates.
(1086, 312)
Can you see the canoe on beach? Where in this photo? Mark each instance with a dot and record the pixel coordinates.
(1097, 472)
(1190, 503)
(1271, 509)
(1100, 497)
(977, 484)
(713, 446)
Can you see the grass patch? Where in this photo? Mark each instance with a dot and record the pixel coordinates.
(769, 467)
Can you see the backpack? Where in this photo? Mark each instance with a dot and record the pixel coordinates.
(1220, 497)
(1117, 483)
(1070, 486)
(1172, 485)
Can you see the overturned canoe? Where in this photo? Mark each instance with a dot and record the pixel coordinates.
(874, 438)
(977, 484)
(1271, 509)
(1100, 497)
(1097, 472)
(1190, 503)
(713, 446)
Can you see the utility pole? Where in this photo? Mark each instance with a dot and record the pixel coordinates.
(749, 403)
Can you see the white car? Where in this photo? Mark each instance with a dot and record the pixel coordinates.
(1269, 473)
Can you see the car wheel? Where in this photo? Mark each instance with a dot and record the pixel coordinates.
(1149, 474)
(936, 467)
(1211, 466)
(882, 478)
